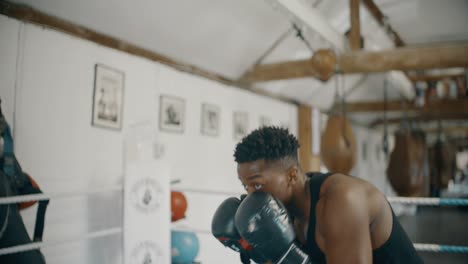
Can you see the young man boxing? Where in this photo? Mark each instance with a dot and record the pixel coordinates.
(290, 216)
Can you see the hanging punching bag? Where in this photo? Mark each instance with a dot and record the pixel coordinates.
(442, 156)
(408, 166)
(338, 145)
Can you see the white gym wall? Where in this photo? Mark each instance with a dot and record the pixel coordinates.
(47, 79)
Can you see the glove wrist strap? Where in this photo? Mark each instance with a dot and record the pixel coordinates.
(294, 255)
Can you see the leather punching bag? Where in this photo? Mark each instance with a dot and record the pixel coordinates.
(442, 156)
(338, 145)
(408, 167)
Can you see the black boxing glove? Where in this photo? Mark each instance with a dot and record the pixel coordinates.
(264, 223)
(224, 230)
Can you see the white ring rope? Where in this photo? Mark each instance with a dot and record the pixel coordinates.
(57, 195)
(38, 197)
(204, 191)
(440, 248)
(97, 234)
(37, 245)
(411, 200)
(429, 201)
(418, 246)
(425, 201)
(118, 230)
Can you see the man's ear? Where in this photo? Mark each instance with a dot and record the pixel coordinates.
(292, 174)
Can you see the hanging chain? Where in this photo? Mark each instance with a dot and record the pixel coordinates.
(336, 99)
(339, 99)
(385, 136)
(342, 101)
(300, 35)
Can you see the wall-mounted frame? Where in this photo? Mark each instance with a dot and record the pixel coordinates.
(171, 114)
(108, 97)
(378, 151)
(210, 119)
(240, 124)
(264, 121)
(364, 150)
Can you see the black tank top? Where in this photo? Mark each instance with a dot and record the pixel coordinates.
(397, 249)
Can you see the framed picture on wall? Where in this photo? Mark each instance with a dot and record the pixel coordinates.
(364, 150)
(210, 119)
(108, 97)
(378, 151)
(171, 114)
(265, 121)
(240, 124)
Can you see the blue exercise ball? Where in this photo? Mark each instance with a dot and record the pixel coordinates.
(184, 247)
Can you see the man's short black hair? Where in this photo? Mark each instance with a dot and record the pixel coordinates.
(270, 143)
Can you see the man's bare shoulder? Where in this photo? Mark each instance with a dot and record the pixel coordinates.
(337, 184)
(348, 203)
(340, 192)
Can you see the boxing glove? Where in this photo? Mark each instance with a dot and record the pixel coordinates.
(264, 223)
(224, 230)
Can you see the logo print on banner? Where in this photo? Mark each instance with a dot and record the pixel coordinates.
(146, 252)
(146, 195)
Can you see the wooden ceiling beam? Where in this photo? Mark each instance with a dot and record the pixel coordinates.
(421, 118)
(459, 106)
(460, 142)
(324, 63)
(312, 18)
(427, 78)
(448, 130)
(320, 66)
(408, 58)
(355, 33)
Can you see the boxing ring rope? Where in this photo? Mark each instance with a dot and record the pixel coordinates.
(38, 197)
(112, 231)
(57, 195)
(92, 235)
(37, 245)
(424, 201)
(429, 201)
(204, 191)
(440, 248)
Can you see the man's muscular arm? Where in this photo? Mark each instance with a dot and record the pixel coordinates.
(343, 222)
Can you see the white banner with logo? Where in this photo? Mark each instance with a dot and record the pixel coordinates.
(146, 199)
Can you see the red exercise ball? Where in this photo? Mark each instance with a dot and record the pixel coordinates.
(178, 205)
